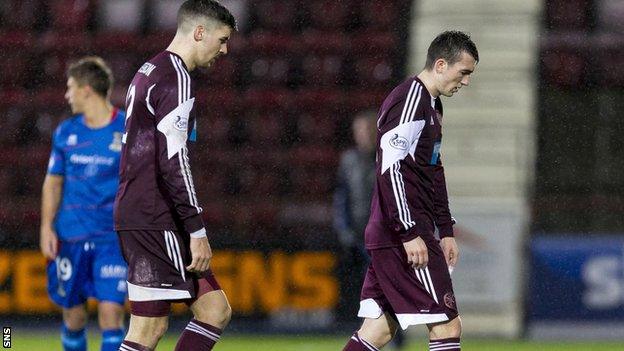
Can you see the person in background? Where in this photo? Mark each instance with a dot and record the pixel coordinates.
(351, 208)
(77, 234)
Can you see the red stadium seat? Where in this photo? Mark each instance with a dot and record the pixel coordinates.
(609, 61)
(380, 14)
(330, 14)
(275, 14)
(20, 14)
(318, 128)
(564, 61)
(568, 14)
(323, 70)
(264, 129)
(373, 71)
(319, 99)
(325, 42)
(70, 15)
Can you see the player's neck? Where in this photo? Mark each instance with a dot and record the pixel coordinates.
(427, 79)
(182, 49)
(98, 114)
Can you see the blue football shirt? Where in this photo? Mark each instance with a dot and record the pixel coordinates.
(88, 160)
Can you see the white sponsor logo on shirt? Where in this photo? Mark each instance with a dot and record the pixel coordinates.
(113, 271)
(91, 159)
(399, 142)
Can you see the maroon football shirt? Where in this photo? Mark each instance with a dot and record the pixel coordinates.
(410, 196)
(156, 189)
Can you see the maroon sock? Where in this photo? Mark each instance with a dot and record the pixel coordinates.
(132, 346)
(357, 344)
(198, 336)
(450, 344)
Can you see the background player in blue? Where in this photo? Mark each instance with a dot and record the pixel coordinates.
(78, 193)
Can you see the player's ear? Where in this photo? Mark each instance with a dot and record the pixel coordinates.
(440, 65)
(199, 33)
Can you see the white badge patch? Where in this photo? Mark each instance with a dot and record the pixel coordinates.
(175, 127)
(397, 143)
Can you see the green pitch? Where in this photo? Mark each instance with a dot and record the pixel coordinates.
(49, 342)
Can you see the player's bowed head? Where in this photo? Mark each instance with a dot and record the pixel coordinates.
(204, 28)
(451, 59)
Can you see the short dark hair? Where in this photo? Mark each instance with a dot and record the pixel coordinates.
(449, 45)
(94, 72)
(206, 8)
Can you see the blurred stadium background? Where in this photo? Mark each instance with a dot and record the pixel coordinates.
(533, 155)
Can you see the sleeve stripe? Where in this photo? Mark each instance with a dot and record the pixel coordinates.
(411, 102)
(410, 95)
(412, 113)
(187, 168)
(184, 92)
(180, 100)
(398, 188)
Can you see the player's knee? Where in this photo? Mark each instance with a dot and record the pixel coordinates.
(376, 336)
(218, 317)
(110, 316)
(75, 318)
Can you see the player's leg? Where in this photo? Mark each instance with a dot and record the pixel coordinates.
(111, 321)
(109, 282)
(66, 282)
(445, 335)
(379, 326)
(73, 333)
(144, 333)
(374, 334)
(211, 312)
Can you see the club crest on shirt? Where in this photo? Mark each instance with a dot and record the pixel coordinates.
(72, 140)
(181, 123)
(115, 145)
(449, 300)
(399, 142)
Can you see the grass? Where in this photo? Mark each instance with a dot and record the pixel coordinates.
(50, 342)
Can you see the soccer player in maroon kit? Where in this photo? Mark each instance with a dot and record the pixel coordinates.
(408, 280)
(157, 215)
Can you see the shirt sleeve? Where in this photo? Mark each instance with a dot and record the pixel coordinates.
(400, 132)
(443, 218)
(171, 103)
(56, 163)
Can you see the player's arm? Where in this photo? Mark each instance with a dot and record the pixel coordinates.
(400, 132)
(51, 194)
(341, 222)
(171, 113)
(443, 219)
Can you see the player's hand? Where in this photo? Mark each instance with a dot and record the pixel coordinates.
(417, 254)
(48, 242)
(201, 254)
(451, 251)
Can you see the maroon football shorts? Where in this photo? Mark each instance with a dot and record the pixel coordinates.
(157, 274)
(412, 296)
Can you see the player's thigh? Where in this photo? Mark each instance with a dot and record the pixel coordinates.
(212, 308)
(109, 273)
(68, 275)
(419, 296)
